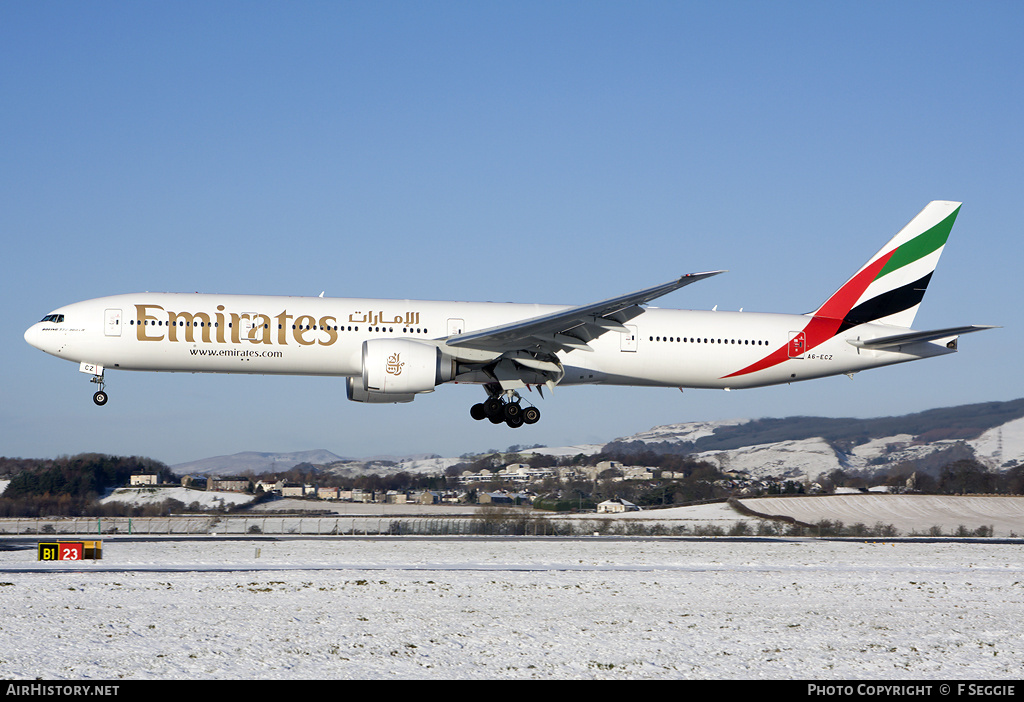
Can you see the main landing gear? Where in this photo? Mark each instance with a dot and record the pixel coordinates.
(505, 408)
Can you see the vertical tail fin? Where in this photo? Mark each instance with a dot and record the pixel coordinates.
(889, 287)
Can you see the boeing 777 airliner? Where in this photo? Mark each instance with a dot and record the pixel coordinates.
(393, 350)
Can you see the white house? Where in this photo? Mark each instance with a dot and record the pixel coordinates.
(616, 505)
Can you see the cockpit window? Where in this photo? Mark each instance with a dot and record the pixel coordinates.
(55, 318)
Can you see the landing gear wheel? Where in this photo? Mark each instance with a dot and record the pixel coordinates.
(513, 411)
(515, 422)
(100, 398)
(493, 407)
(477, 411)
(531, 415)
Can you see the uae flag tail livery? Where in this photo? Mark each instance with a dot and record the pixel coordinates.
(887, 290)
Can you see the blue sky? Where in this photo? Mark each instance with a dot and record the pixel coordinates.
(539, 152)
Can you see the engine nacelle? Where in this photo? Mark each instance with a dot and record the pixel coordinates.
(356, 393)
(396, 370)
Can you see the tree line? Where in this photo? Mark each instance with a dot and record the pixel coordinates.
(70, 486)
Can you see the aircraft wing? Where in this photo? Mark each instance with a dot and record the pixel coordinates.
(572, 328)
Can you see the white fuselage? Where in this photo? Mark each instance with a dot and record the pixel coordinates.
(180, 332)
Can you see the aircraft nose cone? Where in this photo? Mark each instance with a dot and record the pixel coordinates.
(32, 335)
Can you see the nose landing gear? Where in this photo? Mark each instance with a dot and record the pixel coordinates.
(505, 408)
(100, 396)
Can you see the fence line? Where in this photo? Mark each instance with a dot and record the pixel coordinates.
(304, 526)
(507, 524)
(299, 526)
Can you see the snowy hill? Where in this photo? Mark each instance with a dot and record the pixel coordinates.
(797, 448)
(254, 461)
(806, 447)
(998, 448)
(792, 460)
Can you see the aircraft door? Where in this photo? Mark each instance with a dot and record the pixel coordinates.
(797, 344)
(627, 341)
(456, 326)
(112, 322)
(246, 329)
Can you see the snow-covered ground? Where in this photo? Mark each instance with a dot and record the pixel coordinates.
(792, 460)
(288, 504)
(140, 496)
(910, 514)
(1002, 443)
(401, 607)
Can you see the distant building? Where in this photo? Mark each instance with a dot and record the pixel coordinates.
(483, 476)
(293, 490)
(494, 498)
(571, 473)
(616, 505)
(226, 484)
(144, 479)
(524, 473)
(271, 485)
(194, 482)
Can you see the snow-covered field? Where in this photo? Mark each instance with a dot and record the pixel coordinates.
(402, 607)
(910, 514)
(155, 495)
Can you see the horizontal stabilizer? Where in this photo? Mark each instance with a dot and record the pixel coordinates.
(885, 342)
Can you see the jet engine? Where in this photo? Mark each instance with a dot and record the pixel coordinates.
(356, 393)
(396, 370)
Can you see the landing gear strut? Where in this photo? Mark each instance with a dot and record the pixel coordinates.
(505, 408)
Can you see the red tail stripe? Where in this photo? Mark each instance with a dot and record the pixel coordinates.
(826, 321)
(843, 300)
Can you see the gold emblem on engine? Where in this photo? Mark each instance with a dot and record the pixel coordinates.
(394, 366)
